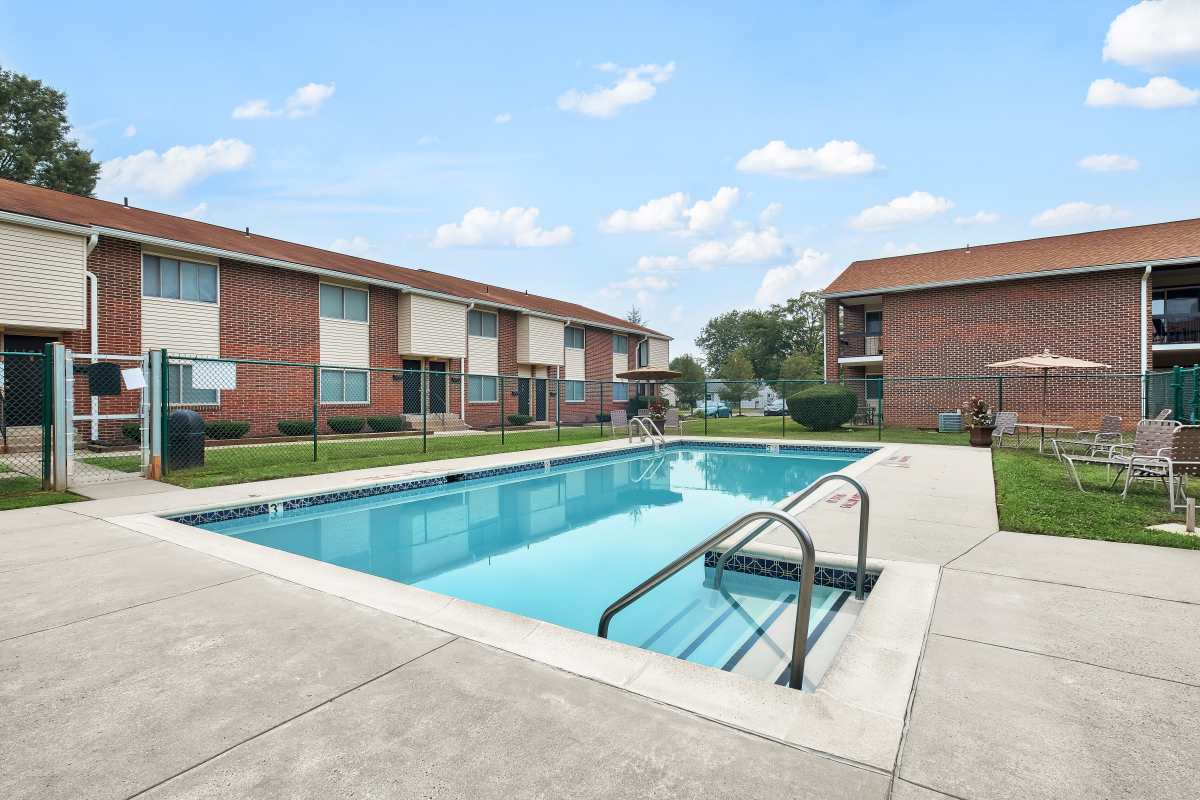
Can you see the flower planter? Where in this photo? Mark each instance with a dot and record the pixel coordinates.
(981, 436)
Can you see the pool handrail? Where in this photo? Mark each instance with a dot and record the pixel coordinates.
(648, 429)
(807, 573)
(864, 522)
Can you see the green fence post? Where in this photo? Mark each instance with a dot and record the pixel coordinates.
(316, 377)
(47, 411)
(500, 392)
(558, 406)
(601, 410)
(704, 408)
(783, 417)
(1146, 396)
(424, 411)
(164, 422)
(879, 416)
(1177, 391)
(1000, 393)
(1195, 392)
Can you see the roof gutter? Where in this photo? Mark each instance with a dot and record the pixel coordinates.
(1020, 276)
(45, 224)
(219, 252)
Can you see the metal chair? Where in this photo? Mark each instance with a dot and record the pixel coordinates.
(671, 420)
(1006, 425)
(1164, 414)
(1148, 457)
(1092, 442)
(1185, 460)
(617, 418)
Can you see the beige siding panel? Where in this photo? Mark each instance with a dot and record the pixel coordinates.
(403, 324)
(345, 343)
(660, 353)
(620, 364)
(182, 327)
(483, 356)
(539, 340)
(575, 368)
(41, 278)
(437, 327)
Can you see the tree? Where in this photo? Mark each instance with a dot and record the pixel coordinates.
(634, 315)
(719, 337)
(803, 318)
(689, 386)
(768, 337)
(799, 366)
(738, 378)
(34, 138)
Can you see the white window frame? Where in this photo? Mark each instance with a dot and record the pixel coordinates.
(495, 383)
(582, 338)
(321, 386)
(172, 382)
(624, 338)
(583, 392)
(495, 324)
(646, 344)
(344, 289)
(160, 256)
(624, 399)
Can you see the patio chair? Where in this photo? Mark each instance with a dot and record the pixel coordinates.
(671, 420)
(1092, 442)
(1164, 414)
(618, 417)
(1149, 457)
(1006, 425)
(1185, 460)
(643, 412)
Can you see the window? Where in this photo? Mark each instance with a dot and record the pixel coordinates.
(481, 323)
(573, 391)
(343, 386)
(574, 338)
(874, 388)
(620, 392)
(873, 323)
(178, 280)
(181, 391)
(643, 353)
(481, 389)
(620, 344)
(339, 302)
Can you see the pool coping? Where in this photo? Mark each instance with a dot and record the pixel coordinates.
(856, 712)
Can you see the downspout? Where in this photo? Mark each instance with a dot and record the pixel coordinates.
(93, 329)
(1145, 366)
(465, 386)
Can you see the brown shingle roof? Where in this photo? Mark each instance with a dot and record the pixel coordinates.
(20, 198)
(1161, 241)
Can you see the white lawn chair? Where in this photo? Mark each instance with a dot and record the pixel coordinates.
(1149, 457)
(1006, 425)
(618, 418)
(1092, 442)
(671, 420)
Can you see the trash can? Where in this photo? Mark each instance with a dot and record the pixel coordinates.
(185, 444)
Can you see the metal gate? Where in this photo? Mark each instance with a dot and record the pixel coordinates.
(106, 400)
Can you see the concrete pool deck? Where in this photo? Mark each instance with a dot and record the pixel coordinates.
(130, 665)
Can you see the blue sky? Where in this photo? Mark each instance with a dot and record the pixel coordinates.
(623, 155)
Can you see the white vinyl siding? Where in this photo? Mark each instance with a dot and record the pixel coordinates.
(42, 278)
(620, 364)
(181, 327)
(483, 356)
(575, 364)
(431, 327)
(345, 343)
(660, 354)
(539, 340)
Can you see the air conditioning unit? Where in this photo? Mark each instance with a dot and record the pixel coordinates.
(949, 422)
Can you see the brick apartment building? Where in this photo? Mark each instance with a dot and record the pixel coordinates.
(201, 290)
(1127, 297)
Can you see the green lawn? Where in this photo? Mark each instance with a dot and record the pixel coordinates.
(26, 492)
(784, 427)
(1035, 495)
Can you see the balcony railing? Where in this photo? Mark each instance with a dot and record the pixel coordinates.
(1176, 331)
(854, 345)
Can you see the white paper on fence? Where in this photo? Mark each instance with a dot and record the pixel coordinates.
(214, 375)
(134, 378)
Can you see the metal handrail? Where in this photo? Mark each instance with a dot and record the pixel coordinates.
(648, 472)
(807, 572)
(864, 519)
(647, 430)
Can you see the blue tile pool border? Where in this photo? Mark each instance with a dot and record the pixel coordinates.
(308, 501)
(835, 577)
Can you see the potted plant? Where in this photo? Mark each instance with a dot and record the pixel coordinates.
(977, 416)
(658, 411)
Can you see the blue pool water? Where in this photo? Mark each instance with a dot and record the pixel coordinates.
(560, 545)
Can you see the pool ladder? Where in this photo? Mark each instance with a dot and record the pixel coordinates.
(807, 564)
(648, 429)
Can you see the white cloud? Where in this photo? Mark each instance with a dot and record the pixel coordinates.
(200, 211)
(978, 218)
(1160, 92)
(769, 213)
(708, 214)
(830, 159)
(669, 212)
(515, 227)
(503, 119)
(781, 283)
(355, 245)
(1109, 162)
(427, 140)
(751, 247)
(1153, 34)
(636, 85)
(916, 207)
(660, 264)
(129, 131)
(174, 169)
(676, 314)
(1077, 213)
(890, 249)
(304, 102)
(647, 282)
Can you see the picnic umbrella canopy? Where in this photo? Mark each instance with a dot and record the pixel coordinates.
(1046, 361)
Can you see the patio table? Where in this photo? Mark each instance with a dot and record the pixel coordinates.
(1044, 426)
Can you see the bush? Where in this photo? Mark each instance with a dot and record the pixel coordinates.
(132, 431)
(637, 403)
(295, 427)
(345, 424)
(519, 419)
(823, 408)
(604, 417)
(387, 424)
(226, 429)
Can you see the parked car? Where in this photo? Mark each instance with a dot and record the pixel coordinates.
(775, 408)
(713, 408)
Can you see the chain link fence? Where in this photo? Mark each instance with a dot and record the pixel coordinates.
(24, 423)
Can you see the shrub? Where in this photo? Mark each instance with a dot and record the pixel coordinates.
(295, 427)
(604, 417)
(823, 408)
(519, 419)
(132, 431)
(636, 404)
(345, 424)
(387, 424)
(226, 429)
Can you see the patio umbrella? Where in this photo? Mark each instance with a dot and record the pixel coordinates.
(1046, 361)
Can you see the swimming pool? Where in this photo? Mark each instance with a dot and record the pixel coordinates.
(560, 540)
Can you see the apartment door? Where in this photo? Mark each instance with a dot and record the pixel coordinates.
(412, 386)
(23, 380)
(437, 387)
(522, 395)
(539, 394)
